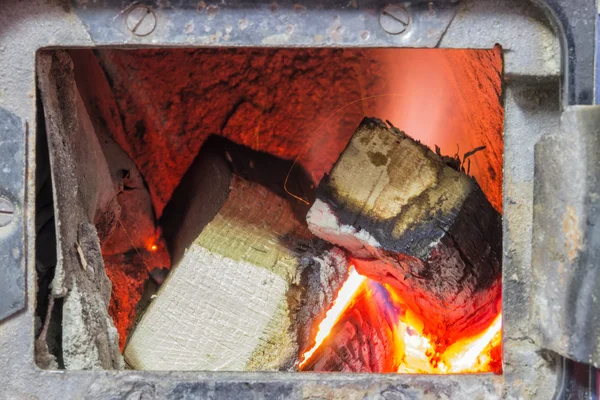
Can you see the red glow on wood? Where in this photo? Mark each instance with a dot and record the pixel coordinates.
(396, 340)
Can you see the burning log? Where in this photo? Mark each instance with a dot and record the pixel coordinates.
(410, 218)
(322, 279)
(230, 302)
(365, 339)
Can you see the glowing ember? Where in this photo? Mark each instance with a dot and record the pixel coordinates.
(468, 355)
(412, 351)
(345, 295)
(151, 242)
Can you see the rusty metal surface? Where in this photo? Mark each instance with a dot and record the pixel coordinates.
(533, 59)
(566, 220)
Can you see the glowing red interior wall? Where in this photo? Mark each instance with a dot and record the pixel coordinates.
(277, 101)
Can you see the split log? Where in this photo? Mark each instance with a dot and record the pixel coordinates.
(322, 277)
(83, 189)
(204, 188)
(230, 302)
(132, 246)
(410, 220)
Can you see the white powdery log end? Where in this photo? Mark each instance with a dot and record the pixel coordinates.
(323, 223)
(214, 321)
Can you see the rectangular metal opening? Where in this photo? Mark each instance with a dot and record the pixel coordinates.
(131, 124)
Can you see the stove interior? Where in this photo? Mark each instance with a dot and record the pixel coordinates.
(262, 209)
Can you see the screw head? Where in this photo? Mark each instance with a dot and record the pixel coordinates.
(141, 20)
(394, 19)
(7, 211)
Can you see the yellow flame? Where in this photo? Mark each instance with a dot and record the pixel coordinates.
(412, 351)
(464, 355)
(345, 295)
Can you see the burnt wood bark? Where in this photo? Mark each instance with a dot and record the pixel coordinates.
(324, 273)
(411, 220)
(132, 246)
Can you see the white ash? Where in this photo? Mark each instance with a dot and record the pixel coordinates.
(323, 223)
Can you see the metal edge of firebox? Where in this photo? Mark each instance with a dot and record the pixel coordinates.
(532, 58)
(565, 303)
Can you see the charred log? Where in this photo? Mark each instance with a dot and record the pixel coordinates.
(365, 339)
(410, 220)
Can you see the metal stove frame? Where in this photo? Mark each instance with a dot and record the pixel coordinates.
(550, 51)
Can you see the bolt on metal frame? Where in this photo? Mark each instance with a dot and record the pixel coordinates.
(141, 20)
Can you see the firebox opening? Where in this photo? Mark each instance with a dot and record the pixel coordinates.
(258, 209)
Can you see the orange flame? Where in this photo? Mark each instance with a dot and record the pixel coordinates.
(468, 355)
(151, 242)
(412, 351)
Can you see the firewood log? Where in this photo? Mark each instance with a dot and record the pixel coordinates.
(414, 220)
(229, 303)
(83, 189)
